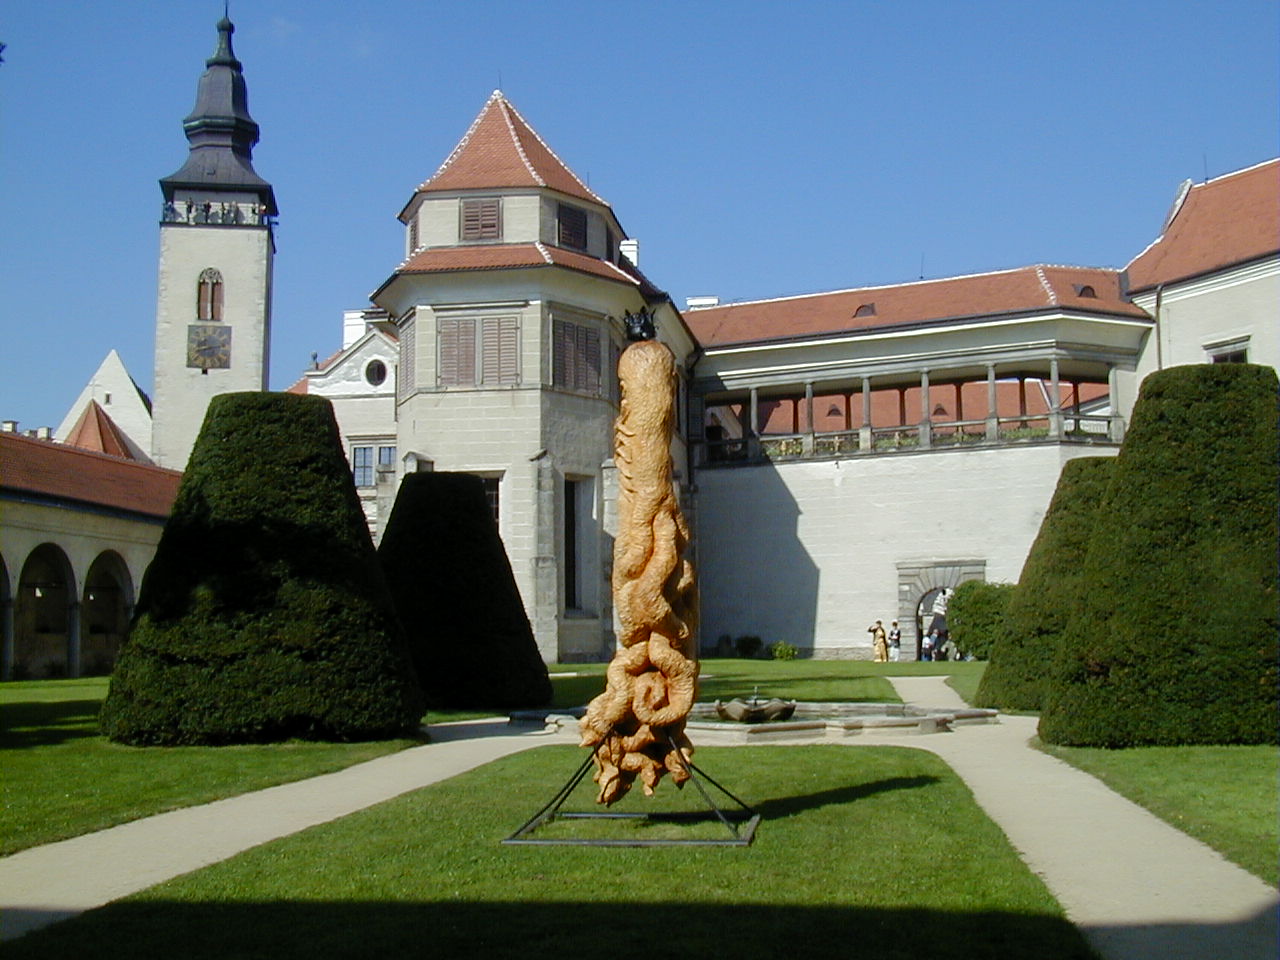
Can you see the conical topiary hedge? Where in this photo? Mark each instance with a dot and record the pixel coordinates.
(264, 615)
(1176, 639)
(1049, 590)
(457, 598)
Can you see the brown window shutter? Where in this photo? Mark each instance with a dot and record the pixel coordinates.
(482, 219)
(572, 231)
(591, 360)
(457, 352)
(498, 349)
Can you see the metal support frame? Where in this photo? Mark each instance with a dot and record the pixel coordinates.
(739, 824)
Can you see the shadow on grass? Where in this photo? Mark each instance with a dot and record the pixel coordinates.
(790, 806)
(548, 930)
(47, 723)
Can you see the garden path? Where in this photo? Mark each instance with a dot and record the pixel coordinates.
(1137, 888)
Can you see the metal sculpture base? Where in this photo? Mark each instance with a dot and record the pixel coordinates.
(740, 824)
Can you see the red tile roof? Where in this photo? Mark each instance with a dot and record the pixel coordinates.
(61, 472)
(1217, 224)
(510, 256)
(95, 430)
(1026, 289)
(502, 150)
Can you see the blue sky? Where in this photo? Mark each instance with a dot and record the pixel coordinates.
(755, 149)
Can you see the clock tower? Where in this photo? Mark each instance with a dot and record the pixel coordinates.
(213, 306)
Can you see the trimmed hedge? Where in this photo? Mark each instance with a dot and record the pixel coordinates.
(457, 597)
(975, 615)
(1176, 641)
(1049, 590)
(264, 615)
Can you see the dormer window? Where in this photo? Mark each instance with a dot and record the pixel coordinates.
(571, 225)
(481, 219)
(865, 310)
(1086, 292)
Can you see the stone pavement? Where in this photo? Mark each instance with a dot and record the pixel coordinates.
(1137, 888)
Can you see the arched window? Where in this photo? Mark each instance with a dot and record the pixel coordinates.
(209, 295)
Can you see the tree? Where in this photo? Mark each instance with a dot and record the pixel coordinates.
(975, 616)
(1176, 641)
(457, 597)
(1049, 590)
(264, 615)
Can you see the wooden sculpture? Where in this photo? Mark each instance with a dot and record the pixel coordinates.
(637, 724)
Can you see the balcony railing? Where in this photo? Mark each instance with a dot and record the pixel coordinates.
(959, 434)
(224, 214)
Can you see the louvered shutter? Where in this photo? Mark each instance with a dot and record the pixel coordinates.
(591, 360)
(481, 219)
(457, 351)
(499, 350)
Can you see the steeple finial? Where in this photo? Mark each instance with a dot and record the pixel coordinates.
(220, 130)
(223, 55)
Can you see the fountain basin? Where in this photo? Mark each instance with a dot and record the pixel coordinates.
(810, 723)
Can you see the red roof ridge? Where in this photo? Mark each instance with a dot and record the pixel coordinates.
(1048, 288)
(1212, 225)
(540, 170)
(905, 283)
(508, 109)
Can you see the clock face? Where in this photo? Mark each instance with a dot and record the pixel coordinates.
(209, 346)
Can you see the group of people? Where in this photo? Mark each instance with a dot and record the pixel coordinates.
(936, 644)
(887, 643)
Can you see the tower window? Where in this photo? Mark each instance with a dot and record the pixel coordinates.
(481, 219)
(571, 227)
(209, 295)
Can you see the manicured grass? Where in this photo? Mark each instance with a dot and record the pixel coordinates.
(877, 853)
(62, 778)
(1225, 796)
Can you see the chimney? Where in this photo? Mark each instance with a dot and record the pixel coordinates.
(699, 303)
(44, 433)
(353, 327)
(631, 250)
(8, 426)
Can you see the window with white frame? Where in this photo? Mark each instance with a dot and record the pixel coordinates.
(362, 465)
(478, 351)
(1228, 351)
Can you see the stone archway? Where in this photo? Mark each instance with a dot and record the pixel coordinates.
(919, 578)
(45, 627)
(105, 608)
(6, 624)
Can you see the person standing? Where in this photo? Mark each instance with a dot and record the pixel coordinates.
(879, 642)
(895, 642)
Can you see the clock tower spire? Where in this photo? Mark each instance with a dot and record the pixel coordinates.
(213, 306)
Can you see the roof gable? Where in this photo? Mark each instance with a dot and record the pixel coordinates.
(501, 150)
(1229, 220)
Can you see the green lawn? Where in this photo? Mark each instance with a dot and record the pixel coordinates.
(62, 778)
(878, 853)
(1225, 796)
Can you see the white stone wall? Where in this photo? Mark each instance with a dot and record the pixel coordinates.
(1198, 315)
(243, 255)
(809, 552)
